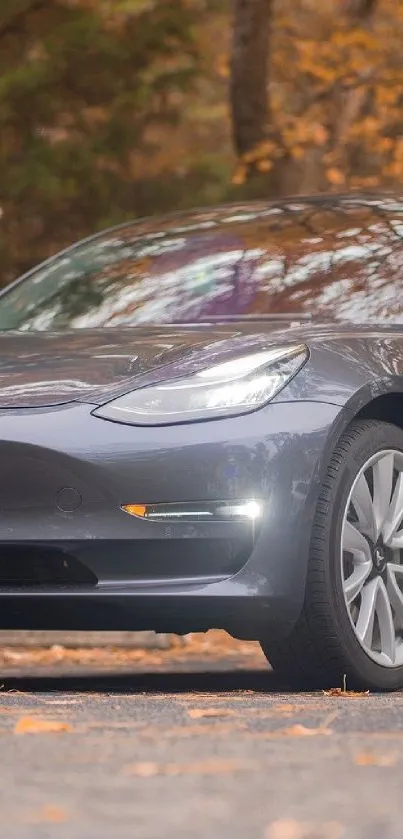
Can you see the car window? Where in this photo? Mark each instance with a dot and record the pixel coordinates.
(339, 260)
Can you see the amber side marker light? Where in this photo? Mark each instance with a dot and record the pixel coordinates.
(249, 509)
(135, 510)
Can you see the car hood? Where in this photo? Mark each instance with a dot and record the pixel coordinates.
(40, 369)
(45, 369)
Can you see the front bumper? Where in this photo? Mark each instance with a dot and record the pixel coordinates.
(64, 475)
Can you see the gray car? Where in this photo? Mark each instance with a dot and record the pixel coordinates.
(201, 425)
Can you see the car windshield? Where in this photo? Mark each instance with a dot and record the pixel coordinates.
(275, 265)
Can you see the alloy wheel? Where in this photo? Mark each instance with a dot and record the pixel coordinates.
(372, 557)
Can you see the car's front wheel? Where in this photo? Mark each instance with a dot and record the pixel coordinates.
(351, 625)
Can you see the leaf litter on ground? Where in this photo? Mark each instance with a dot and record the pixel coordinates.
(298, 730)
(199, 713)
(292, 829)
(344, 693)
(48, 813)
(371, 759)
(30, 725)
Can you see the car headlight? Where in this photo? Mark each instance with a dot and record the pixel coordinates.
(229, 389)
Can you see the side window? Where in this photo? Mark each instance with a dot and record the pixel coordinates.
(296, 264)
(342, 261)
(367, 267)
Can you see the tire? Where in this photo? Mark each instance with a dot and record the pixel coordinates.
(325, 648)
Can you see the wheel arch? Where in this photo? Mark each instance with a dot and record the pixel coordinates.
(379, 400)
(367, 403)
(386, 408)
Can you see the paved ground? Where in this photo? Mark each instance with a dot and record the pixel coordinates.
(171, 750)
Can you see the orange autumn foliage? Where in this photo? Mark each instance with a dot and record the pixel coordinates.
(335, 88)
(111, 109)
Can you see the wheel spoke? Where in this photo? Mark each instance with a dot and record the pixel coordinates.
(356, 580)
(395, 593)
(354, 542)
(385, 621)
(365, 623)
(375, 601)
(363, 506)
(396, 541)
(395, 512)
(382, 472)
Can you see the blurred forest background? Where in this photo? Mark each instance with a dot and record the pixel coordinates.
(111, 109)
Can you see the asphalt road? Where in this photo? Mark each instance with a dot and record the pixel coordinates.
(183, 753)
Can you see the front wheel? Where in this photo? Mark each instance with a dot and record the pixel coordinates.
(351, 624)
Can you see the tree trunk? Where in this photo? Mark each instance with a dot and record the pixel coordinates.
(249, 73)
(355, 101)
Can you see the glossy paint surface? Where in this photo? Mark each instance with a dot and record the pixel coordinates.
(147, 562)
(257, 277)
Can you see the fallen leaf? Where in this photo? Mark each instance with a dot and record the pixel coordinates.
(287, 707)
(285, 829)
(30, 725)
(197, 713)
(370, 759)
(144, 770)
(215, 766)
(49, 813)
(291, 829)
(346, 694)
(301, 731)
(14, 656)
(57, 652)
